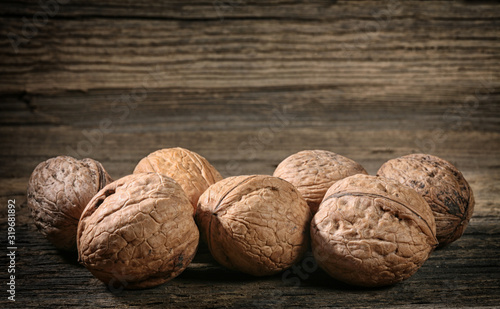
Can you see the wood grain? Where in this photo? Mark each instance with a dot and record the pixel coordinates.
(246, 84)
(400, 45)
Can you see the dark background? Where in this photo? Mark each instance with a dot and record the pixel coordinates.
(245, 84)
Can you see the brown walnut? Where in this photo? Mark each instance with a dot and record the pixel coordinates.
(371, 231)
(58, 191)
(312, 172)
(138, 232)
(254, 224)
(190, 170)
(442, 186)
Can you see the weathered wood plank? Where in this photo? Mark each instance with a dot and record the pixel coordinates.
(242, 9)
(371, 148)
(412, 49)
(471, 106)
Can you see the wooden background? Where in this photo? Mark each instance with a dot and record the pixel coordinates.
(246, 84)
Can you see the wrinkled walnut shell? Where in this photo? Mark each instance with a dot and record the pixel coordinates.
(442, 186)
(138, 232)
(312, 172)
(371, 231)
(254, 224)
(58, 191)
(190, 170)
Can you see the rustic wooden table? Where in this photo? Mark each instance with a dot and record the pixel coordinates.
(245, 85)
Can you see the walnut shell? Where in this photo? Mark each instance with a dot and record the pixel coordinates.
(371, 231)
(254, 224)
(442, 186)
(138, 232)
(58, 191)
(190, 170)
(312, 172)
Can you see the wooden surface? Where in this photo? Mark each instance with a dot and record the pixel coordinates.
(245, 85)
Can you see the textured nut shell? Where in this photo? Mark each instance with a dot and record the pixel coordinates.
(138, 232)
(312, 172)
(254, 224)
(442, 186)
(372, 231)
(58, 191)
(190, 170)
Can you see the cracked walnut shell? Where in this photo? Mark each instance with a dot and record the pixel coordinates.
(138, 232)
(372, 231)
(312, 172)
(254, 224)
(190, 170)
(442, 186)
(58, 191)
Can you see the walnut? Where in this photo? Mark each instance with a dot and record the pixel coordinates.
(372, 231)
(254, 224)
(442, 186)
(312, 172)
(190, 170)
(58, 191)
(138, 232)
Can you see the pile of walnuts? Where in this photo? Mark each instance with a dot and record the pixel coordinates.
(143, 229)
